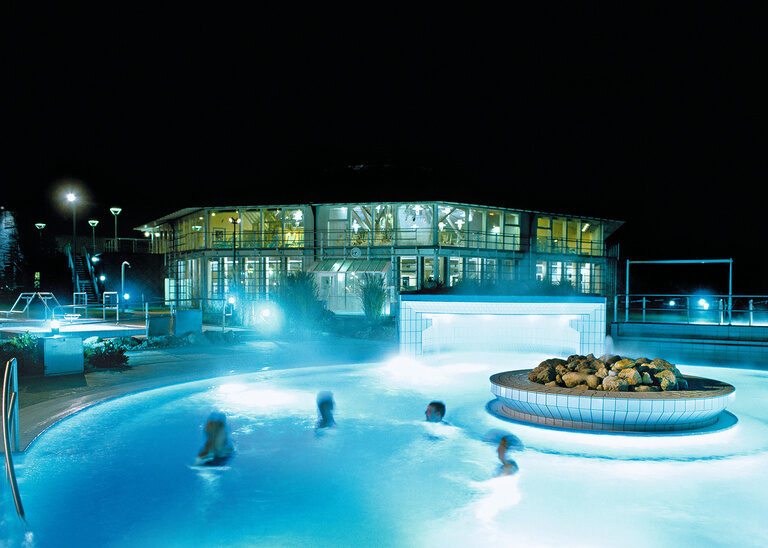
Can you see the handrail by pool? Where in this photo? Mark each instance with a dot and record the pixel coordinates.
(10, 412)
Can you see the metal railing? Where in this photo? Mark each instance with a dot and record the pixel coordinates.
(364, 238)
(10, 417)
(750, 310)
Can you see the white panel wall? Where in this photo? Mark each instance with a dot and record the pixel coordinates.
(523, 324)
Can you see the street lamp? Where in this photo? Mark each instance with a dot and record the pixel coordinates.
(234, 222)
(122, 278)
(115, 211)
(72, 198)
(93, 223)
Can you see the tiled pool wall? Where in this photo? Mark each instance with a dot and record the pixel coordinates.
(600, 411)
(562, 326)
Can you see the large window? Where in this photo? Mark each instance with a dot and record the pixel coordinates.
(383, 224)
(452, 226)
(273, 227)
(408, 280)
(294, 228)
(414, 225)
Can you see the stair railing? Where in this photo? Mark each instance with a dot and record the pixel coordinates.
(10, 418)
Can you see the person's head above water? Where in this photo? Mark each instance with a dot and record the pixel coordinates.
(216, 442)
(325, 409)
(435, 411)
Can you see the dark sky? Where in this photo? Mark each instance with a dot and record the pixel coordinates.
(647, 115)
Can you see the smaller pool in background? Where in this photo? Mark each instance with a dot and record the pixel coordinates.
(121, 474)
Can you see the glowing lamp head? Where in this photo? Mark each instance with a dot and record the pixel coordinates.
(71, 197)
(126, 296)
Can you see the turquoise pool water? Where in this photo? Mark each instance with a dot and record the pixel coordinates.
(120, 473)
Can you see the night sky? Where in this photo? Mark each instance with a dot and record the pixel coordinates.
(647, 115)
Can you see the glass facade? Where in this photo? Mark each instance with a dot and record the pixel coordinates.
(426, 243)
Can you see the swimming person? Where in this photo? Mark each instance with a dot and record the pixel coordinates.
(435, 411)
(508, 466)
(217, 449)
(325, 410)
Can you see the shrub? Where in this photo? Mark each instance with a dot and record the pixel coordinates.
(105, 355)
(24, 349)
(298, 296)
(373, 294)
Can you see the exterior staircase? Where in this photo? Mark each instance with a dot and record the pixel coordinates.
(84, 279)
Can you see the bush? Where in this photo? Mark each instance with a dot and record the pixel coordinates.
(105, 355)
(373, 294)
(298, 296)
(24, 349)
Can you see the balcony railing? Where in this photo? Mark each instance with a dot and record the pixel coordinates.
(692, 309)
(364, 239)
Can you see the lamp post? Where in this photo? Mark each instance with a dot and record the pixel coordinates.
(93, 223)
(39, 227)
(234, 222)
(72, 199)
(122, 278)
(115, 211)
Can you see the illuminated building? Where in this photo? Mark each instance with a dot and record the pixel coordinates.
(412, 245)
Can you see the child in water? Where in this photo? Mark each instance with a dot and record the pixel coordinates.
(217, 448)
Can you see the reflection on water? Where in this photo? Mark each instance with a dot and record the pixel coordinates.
(119, 474)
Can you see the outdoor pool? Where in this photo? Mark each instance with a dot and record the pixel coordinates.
(120, 474)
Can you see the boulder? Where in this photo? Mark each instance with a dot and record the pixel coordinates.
(646, 388)
(631, 376)
(667, 379)
(574, 378)
(609, 359)
(602, 372)
(682, 384)
(622, 364)
(615, 384)
(593, 381)
(543, 373)
(660, 364)
(581, 387)
(647, 379)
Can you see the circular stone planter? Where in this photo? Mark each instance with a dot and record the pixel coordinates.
(522, 400)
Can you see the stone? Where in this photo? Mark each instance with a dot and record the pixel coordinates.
(641, 361)
(550, 383)
(682, 384)
(543, 373)
(602, 372)
(646, 388)
(90, 341)
(647, 379)
(593, 381)
(609, 359)
(658, 363)
(574, 378)
(667, 379)
(581, 387)
(615, 384)
(622, 364)
(631, 376)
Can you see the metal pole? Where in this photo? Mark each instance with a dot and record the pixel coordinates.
(626, 293)
(730, 291)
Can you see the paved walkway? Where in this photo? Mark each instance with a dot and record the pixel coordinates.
(46, 400)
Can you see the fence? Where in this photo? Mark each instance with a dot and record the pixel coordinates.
(691, 309)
